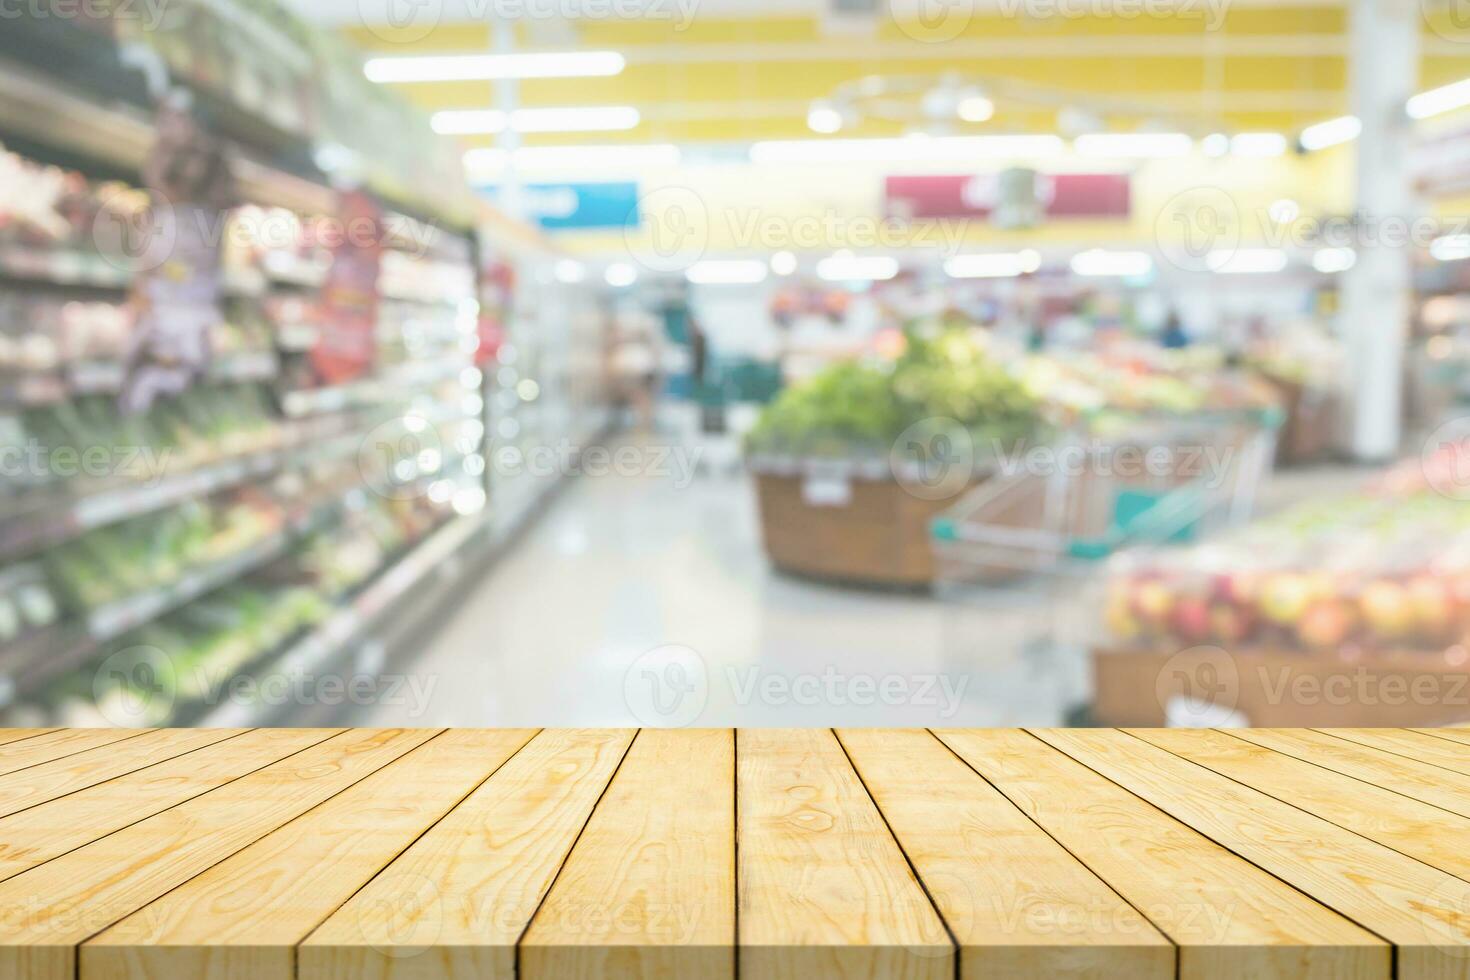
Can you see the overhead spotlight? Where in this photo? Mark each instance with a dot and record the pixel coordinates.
(823, 117)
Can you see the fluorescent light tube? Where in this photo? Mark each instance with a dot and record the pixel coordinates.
(996, 265)
(1100, 262)
(730, 272)
(484, 67)
(1319, 136)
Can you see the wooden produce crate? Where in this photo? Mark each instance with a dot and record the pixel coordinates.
(1276, 688)
(851, 523)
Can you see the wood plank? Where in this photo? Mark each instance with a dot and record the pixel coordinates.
(1425, 912)
(8, 735)
(1017, 902)
(72, 897)
(823, 888)
(1417, 780)
(469, 887)
(50, 780)
(35, 836)
(1230, 918)
(1419, 746)
(241, 919)
(1432, 835)
(58, 745)
(649, 889)
(1460, 735)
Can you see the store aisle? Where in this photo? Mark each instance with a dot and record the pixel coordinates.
(567, 628)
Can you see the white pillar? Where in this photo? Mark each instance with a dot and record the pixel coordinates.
(508, 99)
(1376, 292)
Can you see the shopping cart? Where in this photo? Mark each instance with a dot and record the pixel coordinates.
(1019, 557)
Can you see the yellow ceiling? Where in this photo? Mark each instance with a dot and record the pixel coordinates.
(719, 79)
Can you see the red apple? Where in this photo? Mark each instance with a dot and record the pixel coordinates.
(1326, 624)
(1191, 619)
(1230, 624)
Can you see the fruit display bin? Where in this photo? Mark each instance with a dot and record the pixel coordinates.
(1354, 610)
(847, 521)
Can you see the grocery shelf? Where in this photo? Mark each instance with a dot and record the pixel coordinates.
(54, 522)
(332, 640)
(48, 111)
(115, 619)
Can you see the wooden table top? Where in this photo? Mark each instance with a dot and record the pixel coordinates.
(666, 855)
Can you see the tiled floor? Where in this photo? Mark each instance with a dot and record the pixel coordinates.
(574, 627)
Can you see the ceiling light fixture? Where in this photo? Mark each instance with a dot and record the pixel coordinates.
(486, 67)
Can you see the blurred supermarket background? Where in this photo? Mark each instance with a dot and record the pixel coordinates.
(668, 362)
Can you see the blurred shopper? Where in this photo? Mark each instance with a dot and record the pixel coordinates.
(635, 364)
(1174, 335)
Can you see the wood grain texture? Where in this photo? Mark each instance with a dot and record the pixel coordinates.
(241, 919)
(707, 855)
(823, 888)
(58, 745)
(1421, 746)
(454, 905)
(1418, 780)
(1016, 901)
(1435, 836)
(61, 903)
(1425, 912)
(649, 890)
(1230, 918)
(36, 835)
(8, 735)
(50, 780)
